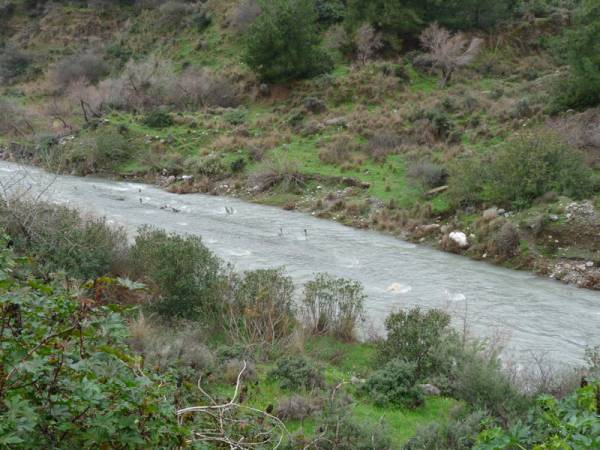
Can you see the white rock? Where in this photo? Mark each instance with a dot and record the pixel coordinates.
(459, 238)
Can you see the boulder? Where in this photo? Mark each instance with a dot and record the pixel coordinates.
(459, 238)
(337, 122)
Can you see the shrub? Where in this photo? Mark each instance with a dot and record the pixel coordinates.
(339, 151)
(504, 242)
(368, 42)
(431, 175)
(279, 171)
(13, 63)
(333, 306)
(261, 310)
(521, 170)
(87, 66)
(394, 385)
(569, 423)
(296, 373)
(382, 143)
(158, 119)
(13, 118)
(184, 273)
(101, 152)
(283, 43)
(201, 88)
(60, 239)
(458, 433)
(416, 337)
(69, 379)
(296, 407)
(581, 89)
(173, 14)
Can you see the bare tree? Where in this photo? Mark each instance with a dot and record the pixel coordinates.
(448, 52)
(368, 42)
(244, 15)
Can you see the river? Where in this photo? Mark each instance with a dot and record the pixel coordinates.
(536, 314)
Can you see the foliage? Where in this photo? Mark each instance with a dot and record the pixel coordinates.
(394, 385)
(61, 240)
(333, 306)
(100, 152)
(184, 273)
(262, 308)
(283, 42)
(581, 49)
(158, 119)
(87, 66)
(458, 433)
(13, 63)
(68, 380)
(297, 372)
(521, 170)
(572, 423)
(416, 337)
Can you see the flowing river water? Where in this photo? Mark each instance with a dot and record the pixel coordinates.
(535, 314)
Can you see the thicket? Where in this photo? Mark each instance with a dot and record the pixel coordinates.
(520, 170)
(283, 44)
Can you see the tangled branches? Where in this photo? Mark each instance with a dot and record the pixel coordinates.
(241, 427)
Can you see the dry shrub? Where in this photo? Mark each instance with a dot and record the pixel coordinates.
(447, 52)
(277, 172)
(13, 119)
(298, 407)
(232, 368)
(200, 88)
(368, 42)
(87, 66)
(173, 13)
(504, 241)
(431, 175)
(383, 143)
(339, 151)
(244, 15)
(176, 347)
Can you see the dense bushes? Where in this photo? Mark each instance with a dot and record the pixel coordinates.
(69, 380)
(297, 372)
(184, 272)
(521, 170)
(333, 306)
(60, 240)
(394, 385)
(283, 42)
(581, 48)
(101, 152)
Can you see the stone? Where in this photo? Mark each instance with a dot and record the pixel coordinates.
(490, 214)
(553, 217)
(459, 238)
(337, 122)
(429, 389)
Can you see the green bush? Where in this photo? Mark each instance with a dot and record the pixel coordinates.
(184, 273)
(283, 43)
(262, 308)
(158, 119)
(296, 373)
(68, 379)
(100, 152)
(13, 63)
(521, 170)
(333, 306)
(572, 423)
(61, 240)
(394, 385)
(581, 49)
(458, 433)
(416, 337)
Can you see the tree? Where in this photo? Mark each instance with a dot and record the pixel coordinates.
(368, 42)
(582, 49)
(448, 52)
(284, 43)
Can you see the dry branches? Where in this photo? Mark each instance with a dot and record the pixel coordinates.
(236, 425)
